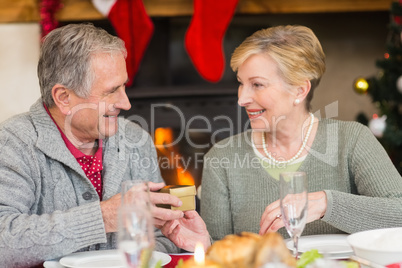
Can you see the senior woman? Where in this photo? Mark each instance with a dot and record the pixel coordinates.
(353, 185)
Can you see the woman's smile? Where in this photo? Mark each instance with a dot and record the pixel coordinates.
(254, 113)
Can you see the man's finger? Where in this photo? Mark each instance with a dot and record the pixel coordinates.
(168, 227)
(166, 214)
(190, 214)
(162, 198)
(159, 223)
(155, 186)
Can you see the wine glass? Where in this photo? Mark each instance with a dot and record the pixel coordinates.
(136, 239)
(293, 203)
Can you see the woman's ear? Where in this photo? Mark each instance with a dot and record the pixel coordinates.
(303, 90)
(61, 97)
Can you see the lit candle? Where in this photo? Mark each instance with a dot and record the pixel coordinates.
(199, 260)
(199, 254)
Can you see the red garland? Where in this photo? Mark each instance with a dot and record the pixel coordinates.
(48, 21)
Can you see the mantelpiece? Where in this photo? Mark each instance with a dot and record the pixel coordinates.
(83, 10)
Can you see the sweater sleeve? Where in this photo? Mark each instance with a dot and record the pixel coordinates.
(378, 202)
(215, 199)
(26, 239)
(163, 244)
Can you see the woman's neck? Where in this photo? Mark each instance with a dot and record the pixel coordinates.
(288, 131)
(286, 139)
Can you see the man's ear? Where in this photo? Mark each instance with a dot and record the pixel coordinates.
(303, 90)
(61, 96)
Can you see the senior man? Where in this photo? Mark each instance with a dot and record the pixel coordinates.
(62, 163)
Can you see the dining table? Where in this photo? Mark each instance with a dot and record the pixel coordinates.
(176, 258)
(332, 247)
(335, 243)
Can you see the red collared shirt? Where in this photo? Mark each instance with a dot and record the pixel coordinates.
(90, 164)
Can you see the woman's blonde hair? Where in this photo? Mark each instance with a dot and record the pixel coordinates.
(295, 49)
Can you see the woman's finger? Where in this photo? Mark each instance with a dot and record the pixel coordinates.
(271, 207)
(269, 221)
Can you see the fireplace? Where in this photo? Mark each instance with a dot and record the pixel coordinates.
(184, 114)
(185, 126)
(167, 91)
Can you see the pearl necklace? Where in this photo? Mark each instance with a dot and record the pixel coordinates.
(264, 145)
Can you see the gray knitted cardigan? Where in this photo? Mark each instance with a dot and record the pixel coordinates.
(48, 207)
(364, 190)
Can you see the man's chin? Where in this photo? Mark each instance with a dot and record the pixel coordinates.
(106, 133)
(108, 127)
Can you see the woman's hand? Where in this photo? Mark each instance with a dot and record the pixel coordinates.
(271, 218)
(187, 231)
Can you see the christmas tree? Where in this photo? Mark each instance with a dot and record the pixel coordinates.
(385, 90)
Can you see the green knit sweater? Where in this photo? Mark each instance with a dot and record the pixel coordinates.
(364, 190)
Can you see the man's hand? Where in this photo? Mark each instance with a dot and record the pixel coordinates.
(187, 231)
(111, 206)
(162, 215)
(109, 210)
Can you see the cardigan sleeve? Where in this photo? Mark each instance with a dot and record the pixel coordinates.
(215, 199)
(378, 202)
(26, 238)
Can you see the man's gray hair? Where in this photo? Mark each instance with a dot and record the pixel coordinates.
(65, 58)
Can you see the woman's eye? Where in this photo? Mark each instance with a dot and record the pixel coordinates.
(257, 85)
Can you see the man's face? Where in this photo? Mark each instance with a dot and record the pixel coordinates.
(95, 117)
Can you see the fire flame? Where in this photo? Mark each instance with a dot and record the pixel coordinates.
(163, 141)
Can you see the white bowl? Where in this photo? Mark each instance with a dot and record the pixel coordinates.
(383, 246)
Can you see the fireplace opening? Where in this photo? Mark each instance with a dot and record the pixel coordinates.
(173, 165)
(184, 129)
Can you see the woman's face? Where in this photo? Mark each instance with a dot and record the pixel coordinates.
(263, 93)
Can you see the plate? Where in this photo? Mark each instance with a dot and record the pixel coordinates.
(52, 264)
(106, 259)
(334, 246)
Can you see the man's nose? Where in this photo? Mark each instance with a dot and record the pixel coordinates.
(123, 102)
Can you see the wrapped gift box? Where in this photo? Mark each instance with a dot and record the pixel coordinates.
(186, 193)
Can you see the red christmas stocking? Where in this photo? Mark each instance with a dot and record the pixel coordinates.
(203, 40)
(132, 25)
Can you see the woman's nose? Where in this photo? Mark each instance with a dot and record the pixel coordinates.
(244, 97)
